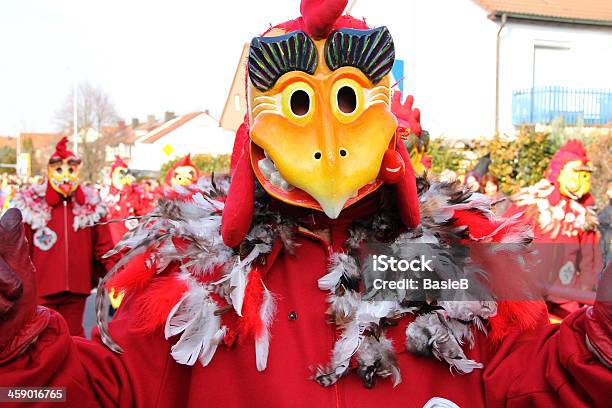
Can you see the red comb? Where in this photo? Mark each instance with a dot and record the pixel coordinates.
(118, 163)
(186, 161)
(61, 149)
(321, 15)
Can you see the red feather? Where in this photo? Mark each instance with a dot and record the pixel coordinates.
(135, 275)
(251, 323)
(521, 316)
(156, 301)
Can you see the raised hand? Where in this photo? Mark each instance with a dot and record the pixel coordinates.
(19, 320)
(407, 117)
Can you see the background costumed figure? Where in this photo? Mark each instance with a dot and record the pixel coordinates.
(256, 298)
(182, 173)
(125, 199)
(561, 210)
(66, 245)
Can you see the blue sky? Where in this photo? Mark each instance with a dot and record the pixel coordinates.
(149, 56)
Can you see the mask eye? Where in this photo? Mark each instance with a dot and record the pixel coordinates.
(347, 100)
(58, 170)
(298, 102)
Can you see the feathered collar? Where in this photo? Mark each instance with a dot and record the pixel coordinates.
(186, 279)
(555, 214)
(37, 201)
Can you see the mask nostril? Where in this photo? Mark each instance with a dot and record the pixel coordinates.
(343, 152)
(317, 155)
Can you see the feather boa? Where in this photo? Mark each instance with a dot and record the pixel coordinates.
(37, 213)
(212, 279)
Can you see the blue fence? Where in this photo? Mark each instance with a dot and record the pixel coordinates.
(542, 104)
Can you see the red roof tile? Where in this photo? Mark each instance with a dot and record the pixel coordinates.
(584, 11)
(168, 127)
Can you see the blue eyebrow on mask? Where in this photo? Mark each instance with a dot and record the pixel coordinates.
(271, 57)
(371, 51)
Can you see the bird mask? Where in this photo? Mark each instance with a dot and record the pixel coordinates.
(183, 173)
(570, 169)
(63, 170)
(320, 133)
(120, 174)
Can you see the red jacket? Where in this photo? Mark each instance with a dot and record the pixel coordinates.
(549, 366)
(74, 262)
(132, 201)
(579, 252)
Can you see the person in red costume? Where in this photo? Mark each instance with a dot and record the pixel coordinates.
(182, 173)
(260, 299)
(561, 209)
(125, 200)
(65, 244)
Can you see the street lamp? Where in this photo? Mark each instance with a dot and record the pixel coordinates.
(75, 134)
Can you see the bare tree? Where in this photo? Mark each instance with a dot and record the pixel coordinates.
(95, 111)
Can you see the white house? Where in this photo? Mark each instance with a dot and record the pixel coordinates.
(194, 133)
(559, 49)
(463, 58)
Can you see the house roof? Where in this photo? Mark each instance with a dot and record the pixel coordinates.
(168, 127)
(593, 12)
(119, 133)
(41, 140)
(231, 118)
(8, 141)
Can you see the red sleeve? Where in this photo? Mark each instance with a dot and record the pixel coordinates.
(143, 375)
(549, 367)
(56, 360)
(590, 261)
(103, 242)
(29, 236)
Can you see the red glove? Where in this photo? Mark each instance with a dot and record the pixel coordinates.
(20, 320)
(599, 320)
(407, 117)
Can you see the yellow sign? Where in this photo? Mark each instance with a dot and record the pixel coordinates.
(168, 150)
(23, 165)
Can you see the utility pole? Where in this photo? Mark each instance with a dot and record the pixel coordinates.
(75, 133)
(497, 64)
(350, 7)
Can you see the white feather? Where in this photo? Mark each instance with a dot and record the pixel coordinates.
(198, 338)
(207, 353)
(238, 278)
(340, 264)
(346, 347)
(262, 344)
(185, 311)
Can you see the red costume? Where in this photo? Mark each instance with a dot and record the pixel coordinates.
(259, 299)
(561, 210)
(125, 200)
(182, 173)
(65, 244)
